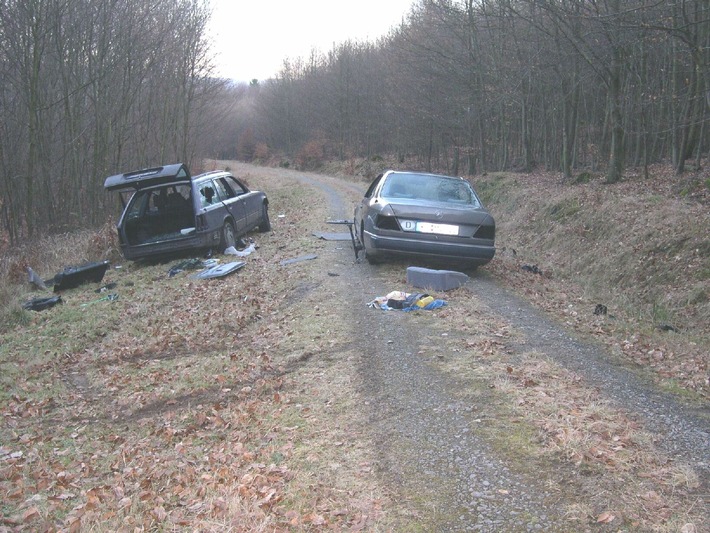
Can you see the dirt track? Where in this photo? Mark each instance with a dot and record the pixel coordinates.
(438, 431)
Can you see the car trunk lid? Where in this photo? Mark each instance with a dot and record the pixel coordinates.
(148, 177)
(439, 218)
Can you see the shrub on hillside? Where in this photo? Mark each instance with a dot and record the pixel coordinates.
(261, 152)
(311, 156)
(246, 145)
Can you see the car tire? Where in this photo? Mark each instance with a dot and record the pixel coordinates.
(265, 224)
(229, 236)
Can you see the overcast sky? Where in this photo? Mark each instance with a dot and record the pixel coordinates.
(253, 37)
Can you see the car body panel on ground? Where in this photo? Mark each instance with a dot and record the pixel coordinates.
(431, 216)
(171, 211)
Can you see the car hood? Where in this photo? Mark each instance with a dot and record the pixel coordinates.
(148, 177)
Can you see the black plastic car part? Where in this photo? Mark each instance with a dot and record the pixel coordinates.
(72, 277)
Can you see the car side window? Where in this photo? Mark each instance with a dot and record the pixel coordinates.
(223, 189)
(140, 203)
(208, 194)
(239, 189)
(373, 186)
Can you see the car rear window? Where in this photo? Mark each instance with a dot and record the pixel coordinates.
(429, 188)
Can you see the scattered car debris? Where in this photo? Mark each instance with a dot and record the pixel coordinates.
(298, 259)
(326, 236)
(240, 253)
(72, 277)
(406, 302)
(219, 271)
(40, 304)
(187, 264)
(106, 287)
(532, 268)
(108, 298)
(357, 246)
(438, 280)
(667, 327)
(600, 309)
(333, 274)
(35, 280)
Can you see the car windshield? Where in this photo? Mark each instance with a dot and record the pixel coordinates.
(429, 188)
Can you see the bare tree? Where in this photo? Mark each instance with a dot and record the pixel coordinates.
(91, 87)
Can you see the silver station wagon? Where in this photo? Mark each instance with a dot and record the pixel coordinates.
(168, 211)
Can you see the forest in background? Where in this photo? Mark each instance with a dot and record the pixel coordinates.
(91, 88)
(95, 87)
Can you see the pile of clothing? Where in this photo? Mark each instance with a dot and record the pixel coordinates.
(406, 301)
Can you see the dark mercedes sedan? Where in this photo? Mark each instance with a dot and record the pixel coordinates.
(167, 211)
(431, 216)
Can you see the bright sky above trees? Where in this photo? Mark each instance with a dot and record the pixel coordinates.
(253, 37)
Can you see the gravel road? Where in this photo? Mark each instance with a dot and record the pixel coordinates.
(426, 432)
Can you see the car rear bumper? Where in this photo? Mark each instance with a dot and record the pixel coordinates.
(196, 241)
(471, 252)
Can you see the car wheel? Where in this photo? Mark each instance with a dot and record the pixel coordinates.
(228, 236)
(265, 224)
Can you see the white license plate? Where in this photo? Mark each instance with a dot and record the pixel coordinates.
(429, 227)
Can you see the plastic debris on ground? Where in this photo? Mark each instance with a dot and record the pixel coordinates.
(405, 301)
(331, 236)
(240, 253)
(298, 259)
(108, 298)
(188, 264)
(219, 271)
(532, 269)
(106, 287)
(35, 280)
(438, 280)
(72, 277)
(40, 304)
(601, 309)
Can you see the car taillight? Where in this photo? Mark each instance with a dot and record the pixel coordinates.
(485, 232)
(386, 222)
(200, 222)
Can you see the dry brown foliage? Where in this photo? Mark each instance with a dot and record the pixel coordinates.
(639, 248)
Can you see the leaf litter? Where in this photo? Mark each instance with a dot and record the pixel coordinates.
(183, 414)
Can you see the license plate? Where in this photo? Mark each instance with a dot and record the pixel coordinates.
(429, 227)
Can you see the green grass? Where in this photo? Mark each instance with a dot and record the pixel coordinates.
(494, 188)
(564, 209)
